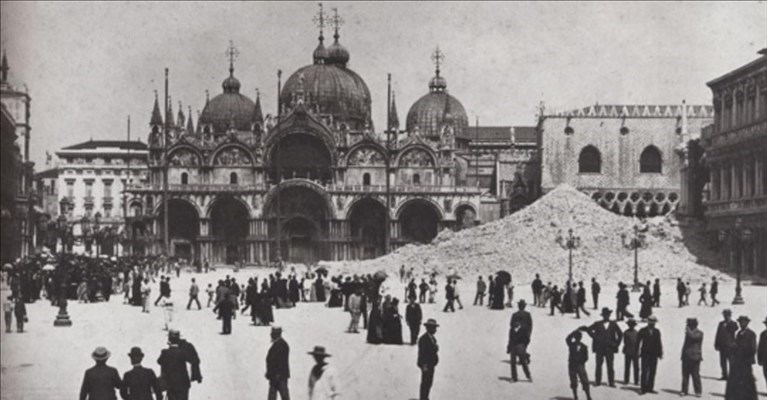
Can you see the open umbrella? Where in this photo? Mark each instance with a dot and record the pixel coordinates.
(322, 270)
(454, 276)
(380, 275)
(49, 267)
(7, 267)
(503, 277)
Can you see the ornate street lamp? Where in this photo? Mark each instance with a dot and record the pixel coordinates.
(739, 238)
(634, 244)
(97, 232)
(85, 224)
(62, 230)
(569, 243)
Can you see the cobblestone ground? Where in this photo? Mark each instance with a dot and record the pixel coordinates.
(48, 362)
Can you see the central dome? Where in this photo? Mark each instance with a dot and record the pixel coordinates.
(228, 107)
(336, 90)
(435, 109)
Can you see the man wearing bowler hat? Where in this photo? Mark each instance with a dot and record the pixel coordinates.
(724, 340)
(741, 384)
(427, 357)
(524, 318)
(101, 380)
(606, 338)
(650, 350)
(140, 382)
(323, 384)
(277, 366)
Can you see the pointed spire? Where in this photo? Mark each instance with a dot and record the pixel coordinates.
(232, 54)
(181, 116)
(393, 119)
(169, 113)
(258, 115)
(189, 124)
(4, 68)
(207, 97)
(437, 83)
(156, 116)
(199, 126)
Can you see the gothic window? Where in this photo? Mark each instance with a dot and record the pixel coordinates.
(650, 161)
(416, 179)
(590, 161)
(184, 178)
(366, 179)
(233, 178)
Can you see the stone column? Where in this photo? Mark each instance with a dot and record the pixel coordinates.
(758, 165)
(715, 191)
(734, 187)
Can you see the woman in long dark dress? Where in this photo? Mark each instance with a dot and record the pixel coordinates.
(319, 288)
(646, 300)
(375, 324)
(498, 296)
(396, 323)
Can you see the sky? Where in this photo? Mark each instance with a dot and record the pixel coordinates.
(90, 65)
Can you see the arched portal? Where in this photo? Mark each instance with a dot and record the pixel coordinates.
(301, 155)
(465, 216)
(367, 220)
(419, 220)
(183, 228)
(229, 221)
(298, 220)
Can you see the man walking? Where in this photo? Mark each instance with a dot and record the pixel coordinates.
(481, 287)
(427, 357)
(537, 287)
(277, 366)
(163, 289)
(595, 289)
(355, 309)
(323, 383)
(761, 353)
(519, 338)
(630, 352)
(226, 311)
(524, 317)
(714, 291)
(140, 382)
(449, 296)
(194, 291)
(741, 384)
(650, 350)
(681, 289)
(656, 293)
(580, 301)
(173, 370)
(606, 336)
(691, 357)
(724, 341)
(703, 292)
(424, 290)
(413, 317)
(623, 301)
(457, 294)
(101, 380)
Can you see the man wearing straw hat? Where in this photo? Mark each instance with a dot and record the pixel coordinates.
(323, 384)
(278, 366)
(427, 357)
(101, 380)
(140, 382)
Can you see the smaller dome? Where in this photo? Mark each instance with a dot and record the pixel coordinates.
(231, 85)
(437, 83)
(320, 54)
(337, 54)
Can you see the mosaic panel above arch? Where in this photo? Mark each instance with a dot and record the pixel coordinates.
(366, 156)
(416, 158)
(184, 158)
(232, 156)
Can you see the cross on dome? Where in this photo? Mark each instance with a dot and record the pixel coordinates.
(337, 21)
(438, 57)
(231, 53)
(319, 20)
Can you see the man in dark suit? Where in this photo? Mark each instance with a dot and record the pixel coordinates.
(656, 293)
(623, 301)
(164, 288)
(449, 296)
(692, 354)
(173, 370)
(714, 291)
(724, 340)
(741, 384)
(413, 317)
(761, 353)
(681, 289)
(277, 366)
(606, 336)
(650, 350)
(427, 357)
(519, 338)
(595, 289)
(101, 380)
(194, 359)
(630, 352)
(225, 309)
(523, 317)
(140, 382)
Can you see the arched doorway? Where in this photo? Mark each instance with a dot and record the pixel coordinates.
(420, 221)
(183, 228)
(367, 221)
(298, 218)
(301, 155)
(465, 217)
(229, 221)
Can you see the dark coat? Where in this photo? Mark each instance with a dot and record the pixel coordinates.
(100, 383)
(139, 383)
(173, 367)
(225, 308)
(413, 314)
(578, 352)
(427, 351)
(525, 320)
(194, 359)
(277, 364)
(518, 340)
(745, 347)
(631, 342)
(725, 335)
(761, 353)
(623, 298)
(650, 343)
(605, 340)
(691, 349)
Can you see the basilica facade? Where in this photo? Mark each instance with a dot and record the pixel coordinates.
(315, 182)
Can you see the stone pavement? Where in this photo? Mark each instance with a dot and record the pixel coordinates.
(48, 362)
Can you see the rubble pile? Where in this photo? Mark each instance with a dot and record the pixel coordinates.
(526, 243)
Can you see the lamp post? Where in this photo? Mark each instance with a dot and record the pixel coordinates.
(634, 244)
(569, 243)
(85, 224)
(739, 238)
(62, 231)
(97, 232)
